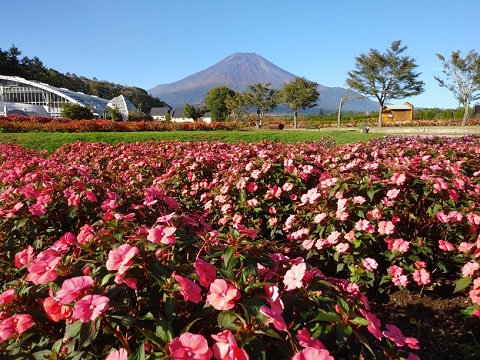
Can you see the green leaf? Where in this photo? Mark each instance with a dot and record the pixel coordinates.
(122, 320)
(169, 306)
(327, 316)
(164, 330)
(343, 305)
(360, 321)
(227, 320)
(462, 283)
(340, 267)
(140, 354)
(227, 256)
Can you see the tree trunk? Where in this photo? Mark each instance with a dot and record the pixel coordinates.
(295, 119)
(380, 115)
(465, 115)
(339, 115)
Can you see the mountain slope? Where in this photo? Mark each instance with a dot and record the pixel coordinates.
(237, 72)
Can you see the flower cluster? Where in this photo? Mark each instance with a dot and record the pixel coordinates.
(227, 251)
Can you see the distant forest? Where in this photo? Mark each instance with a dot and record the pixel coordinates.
(12, 64)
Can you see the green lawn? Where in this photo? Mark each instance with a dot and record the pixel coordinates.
(52, 141)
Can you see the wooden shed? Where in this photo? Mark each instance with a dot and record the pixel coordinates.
(392, 113)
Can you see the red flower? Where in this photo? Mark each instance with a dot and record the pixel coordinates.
(90, 307)
(189, 290)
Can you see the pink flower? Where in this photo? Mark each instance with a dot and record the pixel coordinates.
(37, 209)
(7, 296)
(400, 245)
(274, 318)
(342, 247)
(305, 339)
(226, 347)
(120, 258)
(422, 277)
(394, 333)
(319, 217)
(189, 290)
(252, 233)
(206, 272)
(311, 353)
(374, 323)
(162, 234)
(273, 297)
(117, 355)
(470, 268)
(71, 288)
(386, 228)
(190, 347)
(86, 234)
(370, 264)
(293, 278)
(90, 307)
(43, 269)
(398, 178)
(15, 325)
(222, 295)
(364, 225)
(24, 257)
(54, 310)
(445, 245)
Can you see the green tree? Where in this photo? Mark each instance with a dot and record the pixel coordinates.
(299, 94)
(215, 101)
(462, 78)
(112, 114)
(386, 76)
(194, 112)
(263, 98)
(76, 112)
(236, 105)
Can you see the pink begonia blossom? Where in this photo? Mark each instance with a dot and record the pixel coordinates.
(24, 257)
(305, 339)
(359, 200)
(205, 271)
(386, 228)
(72, 288)
(273, 297)
(334, 237)
(395, 334)
(222, 295)
(342, 247)
(54, 310)
(311, 353)
(190, 346)
(374, 323)
(120, 354)
(90, 307)
(7, 296)
(392, 193)
(319, 217)
(190, 291)
(226, 347)
(130, 282)
(465, 247)
(364, 225)
(400, 245)
(120, 258)
(370, 264)
(252, 187)
(293, 277)
(445, 245)
(398, 179)
(474, 293)
(37, 209)
(15, 325)
(86, 234)
(350, 236)
(251, 233)
(470, 268)
(288, 186)
(274, 318)
(421, 276)
(162, 234)
(473, 218)
(43, 269)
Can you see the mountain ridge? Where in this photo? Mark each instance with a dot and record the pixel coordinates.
(239, 70)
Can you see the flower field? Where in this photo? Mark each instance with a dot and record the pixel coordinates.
(209, 250)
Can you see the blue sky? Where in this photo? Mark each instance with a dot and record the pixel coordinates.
(149, 42)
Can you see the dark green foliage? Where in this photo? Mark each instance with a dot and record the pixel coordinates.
(76, 112)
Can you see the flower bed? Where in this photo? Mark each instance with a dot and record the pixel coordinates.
(207, 250)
